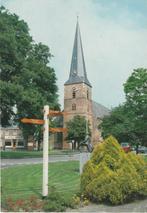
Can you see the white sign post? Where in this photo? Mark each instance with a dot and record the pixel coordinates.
(84, 157)
(45, 151)
(45, 123)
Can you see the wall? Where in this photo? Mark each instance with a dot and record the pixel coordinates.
(83, 105)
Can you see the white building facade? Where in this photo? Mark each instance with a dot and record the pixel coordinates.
(11, 138)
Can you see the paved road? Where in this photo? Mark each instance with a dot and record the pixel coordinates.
(137, 206)
(27, 161)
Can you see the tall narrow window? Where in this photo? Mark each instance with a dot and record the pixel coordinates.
(73, 94)
(87, 94)
(73, 106)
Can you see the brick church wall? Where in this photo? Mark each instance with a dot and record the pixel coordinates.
(83, 104)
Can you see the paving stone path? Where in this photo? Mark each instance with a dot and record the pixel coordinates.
(137, 206)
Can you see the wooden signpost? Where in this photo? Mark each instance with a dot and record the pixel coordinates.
(56, 113)
(53, 130)
(45, 122)
(32, 121)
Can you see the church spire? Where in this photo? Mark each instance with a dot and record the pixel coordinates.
(77, 70)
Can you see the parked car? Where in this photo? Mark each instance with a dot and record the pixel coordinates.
(142, 149)
(133, 148)
(126, 147)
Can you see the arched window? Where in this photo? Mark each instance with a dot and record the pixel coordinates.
(73, 106)
(87, 94)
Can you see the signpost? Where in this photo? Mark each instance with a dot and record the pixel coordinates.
(56, 113)
(45, 122)
(57, 130)
(45, 152)
(32, 121)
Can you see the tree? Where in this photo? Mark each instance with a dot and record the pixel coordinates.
(136, 91)
(27, 82)
(77, 129)
(120, 124)
(127, 122)
(136, 99)
(15, 43)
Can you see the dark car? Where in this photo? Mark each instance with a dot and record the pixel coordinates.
(126, 147)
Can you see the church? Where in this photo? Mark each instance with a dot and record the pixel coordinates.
(77, 101)
(78, 93)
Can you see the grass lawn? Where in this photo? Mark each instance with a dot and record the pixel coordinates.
(20, 154)
(31, 154)
(145, 158)
(23, 181)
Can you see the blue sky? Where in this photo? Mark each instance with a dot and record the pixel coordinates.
(114, 37)
(115, 6)
(120, 10)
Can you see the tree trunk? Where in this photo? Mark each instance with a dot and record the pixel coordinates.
(75, 142)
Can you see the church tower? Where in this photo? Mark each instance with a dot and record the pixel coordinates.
(77, 89)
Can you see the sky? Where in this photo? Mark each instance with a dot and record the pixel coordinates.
(114, 39)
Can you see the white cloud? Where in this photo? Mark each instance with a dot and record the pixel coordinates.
(112, 48)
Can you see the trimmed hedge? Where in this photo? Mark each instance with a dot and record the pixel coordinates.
(113, 176)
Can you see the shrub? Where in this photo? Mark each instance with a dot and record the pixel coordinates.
(54, 202)
(75, 202)
(54, 206)
(113, 176)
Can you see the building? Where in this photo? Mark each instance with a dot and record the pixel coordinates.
(11, 138)
(78, 93)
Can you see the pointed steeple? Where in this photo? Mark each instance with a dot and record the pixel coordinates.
(77, 70)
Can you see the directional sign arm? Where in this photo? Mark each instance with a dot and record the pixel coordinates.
(53, 130)
(56, 113)
(32, 121)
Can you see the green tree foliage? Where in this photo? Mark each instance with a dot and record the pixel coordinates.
(27, 82)
(136, 95)
(15, 42)
(136, 91)
(120, 124)
(113, 176)
(127, 122)
(77, 129)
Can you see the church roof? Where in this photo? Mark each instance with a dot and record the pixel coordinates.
(99, 111)
(77, 70)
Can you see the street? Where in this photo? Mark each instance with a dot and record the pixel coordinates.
(27, 161)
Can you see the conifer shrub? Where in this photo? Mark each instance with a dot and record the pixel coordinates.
(113, 176)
